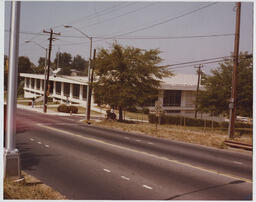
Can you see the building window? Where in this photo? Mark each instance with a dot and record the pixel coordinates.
(43, 85)
(76, 89)
(171, 111)
(58, 88)
(37, 84)
(27, 82)
(84, 92)
(66, 89)
(51, 86)
(172, 98)
(32, 83)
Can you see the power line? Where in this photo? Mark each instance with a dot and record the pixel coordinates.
(167, 20)
(124, 14)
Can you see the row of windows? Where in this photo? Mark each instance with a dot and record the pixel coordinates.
(76, 88)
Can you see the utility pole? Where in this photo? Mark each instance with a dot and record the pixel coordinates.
(12, 167)
(47, 92)
(88, 86)
(90, 89)
(197, 89)
(232, 104)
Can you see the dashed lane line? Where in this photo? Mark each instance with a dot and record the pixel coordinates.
(47, 145)
(107, 170)
(237, 162)
(32, 139)
(148, 154)
(39, 142)
(147, 187)
(126, 178)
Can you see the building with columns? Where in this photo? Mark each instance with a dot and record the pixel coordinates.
(176, 94)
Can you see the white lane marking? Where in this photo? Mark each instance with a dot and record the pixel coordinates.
(137, 140)
(147, 187)
(47, 145)
(39, 142)
(150, 143)
(32, 139)
(127, 138)
(237, 162)
(107, 170)
(148, 154)
(126, 178)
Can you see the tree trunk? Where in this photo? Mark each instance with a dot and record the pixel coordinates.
(120, 114)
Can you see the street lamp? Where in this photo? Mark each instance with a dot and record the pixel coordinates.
(45, 67)
(89, 68)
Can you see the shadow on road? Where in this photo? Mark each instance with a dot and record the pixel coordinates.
(212, 187)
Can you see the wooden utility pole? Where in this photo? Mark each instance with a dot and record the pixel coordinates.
(47, 92)
(232, 104)
(197, 89)
(90, 89)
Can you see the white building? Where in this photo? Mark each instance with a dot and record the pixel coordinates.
(176, 95)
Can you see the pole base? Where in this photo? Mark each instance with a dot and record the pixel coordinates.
(12, 168)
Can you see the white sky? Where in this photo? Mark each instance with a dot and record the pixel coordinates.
(98, 19)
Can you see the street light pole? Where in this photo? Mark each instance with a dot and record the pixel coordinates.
(89, 70)
(11, 154)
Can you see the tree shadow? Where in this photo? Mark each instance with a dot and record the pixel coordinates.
(211, 187)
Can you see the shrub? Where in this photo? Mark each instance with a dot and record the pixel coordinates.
(74, 109)
(179, 120)
(62, 108)
(110, 115)
(66, 109)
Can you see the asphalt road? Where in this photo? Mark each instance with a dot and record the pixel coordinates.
(87, 162)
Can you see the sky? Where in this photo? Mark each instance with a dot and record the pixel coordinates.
(182, 31)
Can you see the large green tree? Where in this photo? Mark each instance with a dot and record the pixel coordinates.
(80, 64)
(127, 76)
(65, 61)
(215, 98)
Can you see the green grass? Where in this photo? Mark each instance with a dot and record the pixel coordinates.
(81, 110)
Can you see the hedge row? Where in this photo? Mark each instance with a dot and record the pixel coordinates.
(67, 109)
(180, 120)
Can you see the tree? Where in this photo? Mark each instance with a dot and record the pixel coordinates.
(215, 98)
(127, 76)
(80, 64)
(41, 65)
(65, 60)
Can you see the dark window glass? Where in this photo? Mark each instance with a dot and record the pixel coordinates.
(38, 84)
(172, 98)
(66, 89)
(84, 92)
(27, 82)
(32, 83)
(58, 88)
(76, 89)
(51, 86)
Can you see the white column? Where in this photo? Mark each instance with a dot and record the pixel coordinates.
(71, 91)
(30, 83)
(62, 90)
(81, 93)
(54, 88)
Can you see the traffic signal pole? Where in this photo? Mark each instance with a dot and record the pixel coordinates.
(12, 167)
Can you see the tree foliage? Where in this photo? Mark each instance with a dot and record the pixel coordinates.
(127, 76)
(80, 64)
(218, 88)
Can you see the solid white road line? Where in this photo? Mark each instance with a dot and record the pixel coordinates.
(107, 170)
(126, 178)
(147, 187)
(148, 154)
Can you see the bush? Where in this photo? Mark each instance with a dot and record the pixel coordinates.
(110, 115)
(179, 120)
(145, 111)
(66, 109)
(62, 108)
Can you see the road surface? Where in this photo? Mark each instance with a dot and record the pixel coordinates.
(88, 162)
